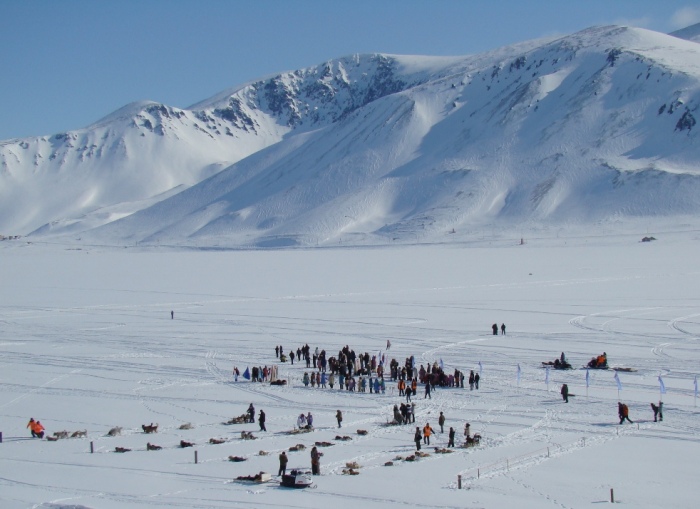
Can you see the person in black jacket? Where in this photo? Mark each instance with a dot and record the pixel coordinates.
(565, 393)
(261, 420)
(451, 441)
(417, 438)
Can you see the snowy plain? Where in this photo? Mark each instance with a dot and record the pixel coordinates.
(87, 343)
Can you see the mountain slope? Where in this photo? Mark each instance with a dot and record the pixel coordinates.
(143, 150)
(594, 126)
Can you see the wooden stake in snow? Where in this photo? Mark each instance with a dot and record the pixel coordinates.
(612, 496)
(195, 457)
(92, 447)
(459, 482)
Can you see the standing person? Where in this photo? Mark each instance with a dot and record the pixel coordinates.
(315, 461)
(417, 438)
(236, 373)
(623, 412)
(494, 328)
(409, 414)
(503, 329)
(476, 381)
(310, 420)
(388, 344)
(441, 422)
(277, 351)
(251, 413)
(451, 441)
(291, 356)
(283, 463)
(261, 420)
(467, 433)
(427, 431)
(565, 393)
(427, 390)
(339, 417)
(413, 412)
(471, 380)
(331, 380)
(658, 412)
(172, 315)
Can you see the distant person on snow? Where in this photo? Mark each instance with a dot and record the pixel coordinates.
(494, 327)
(658, 411)
(339, 417)
(503, 329)
(36, 428)
(623, 412)
(565, 393)
(417, 438)
(172, 315)
(451, 441)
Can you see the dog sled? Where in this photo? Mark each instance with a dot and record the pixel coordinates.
(259, 478)
(297, 479)
(599, 362)
(557, 364)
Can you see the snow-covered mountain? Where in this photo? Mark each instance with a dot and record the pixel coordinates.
(594, 126)
(691, 33)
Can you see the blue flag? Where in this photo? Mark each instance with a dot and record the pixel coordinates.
(246, 374)
(518, 373)
(588, 378)
(662, 386)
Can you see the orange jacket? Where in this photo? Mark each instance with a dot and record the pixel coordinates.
(414, 385)
(36, 427)
(402, 385)
(427, 431)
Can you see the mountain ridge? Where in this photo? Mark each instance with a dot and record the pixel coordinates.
(557, 130)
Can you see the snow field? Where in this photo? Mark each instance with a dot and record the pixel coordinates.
(86, 342)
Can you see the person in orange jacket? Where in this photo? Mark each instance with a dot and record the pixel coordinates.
(427, 431)
(402, 387)
(36, 428)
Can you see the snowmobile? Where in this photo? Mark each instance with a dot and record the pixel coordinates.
(296, 479)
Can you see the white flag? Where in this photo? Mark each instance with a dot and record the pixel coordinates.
(481, 367)
(662, 386)
(518, 375)
(588, 378)
(619, 384)
(442, 366)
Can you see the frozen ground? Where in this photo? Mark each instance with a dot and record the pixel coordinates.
(86, 342)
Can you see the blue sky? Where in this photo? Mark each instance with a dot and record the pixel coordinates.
(66, 64)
